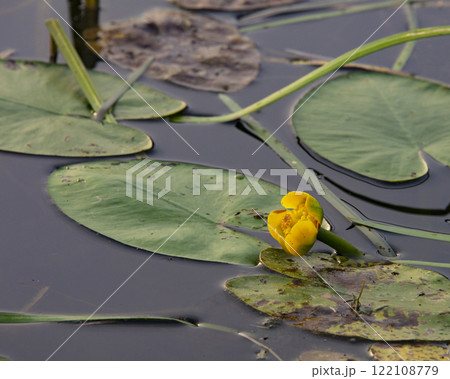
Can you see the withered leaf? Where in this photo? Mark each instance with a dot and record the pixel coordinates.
(191, 50)
(398, 302)
(231, 5)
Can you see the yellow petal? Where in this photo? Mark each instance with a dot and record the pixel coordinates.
(294, 200)
(274, 223)
(301, 238)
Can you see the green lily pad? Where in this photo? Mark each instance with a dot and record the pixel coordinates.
(377, 124)
(323, 355)
(43, 111)
(94, 195)
(231, 5)
(398, 302)
(409, 352)
(3, 359)
(190, 49)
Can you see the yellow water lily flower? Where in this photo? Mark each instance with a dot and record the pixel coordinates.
(296, 228)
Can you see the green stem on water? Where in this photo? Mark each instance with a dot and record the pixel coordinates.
(339, 244)
(76, 66)
(100, 114)
(409, 47)
(25, 318)
(420, 263)
(245, 335)
(270, 12)
(287, 156)
(322, 15)
(403, 230)
(331, 66)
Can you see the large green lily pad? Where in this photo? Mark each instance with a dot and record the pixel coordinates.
(43, 111)
(398, 302)
(190, 49)
(94, 195)
(231, 5)
(377, 124)
(409, 352)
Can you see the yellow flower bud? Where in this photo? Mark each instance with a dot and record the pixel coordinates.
(296, 228)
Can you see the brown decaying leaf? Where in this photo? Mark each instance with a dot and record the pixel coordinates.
(192, 50)
(231, 5)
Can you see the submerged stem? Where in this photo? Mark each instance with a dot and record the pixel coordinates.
(323, 15)
(409, 47)
(239, 333)
(338, 243)
(331, 66)
(314, 5)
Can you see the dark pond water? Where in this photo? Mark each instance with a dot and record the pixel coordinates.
(41, 249)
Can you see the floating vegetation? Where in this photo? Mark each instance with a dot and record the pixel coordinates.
(60, 123)
(350, 297)
(323, 355)
(190, 49)
(231, 5)
(29, 318)
(95, 195)
(377, 125)
(409, 352)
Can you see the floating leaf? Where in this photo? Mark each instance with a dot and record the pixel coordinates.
(190, 49)
(25, 318)
(94, 195)
(231, 5)
(322, 355)
(377, 124)
(409, 352)
(398, 302)
(262, 355)
(3, 359)
(42, 111)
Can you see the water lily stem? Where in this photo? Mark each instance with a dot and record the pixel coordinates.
(402, 230)
(409, 47)
(331, 66)
(339, 244)
(323, 15)
(287, 156)
(302, 7)
(105, 107)
(76, 66)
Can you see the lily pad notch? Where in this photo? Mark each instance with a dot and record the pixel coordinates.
(377, 124)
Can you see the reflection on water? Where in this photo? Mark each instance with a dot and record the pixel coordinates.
(84, 16)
